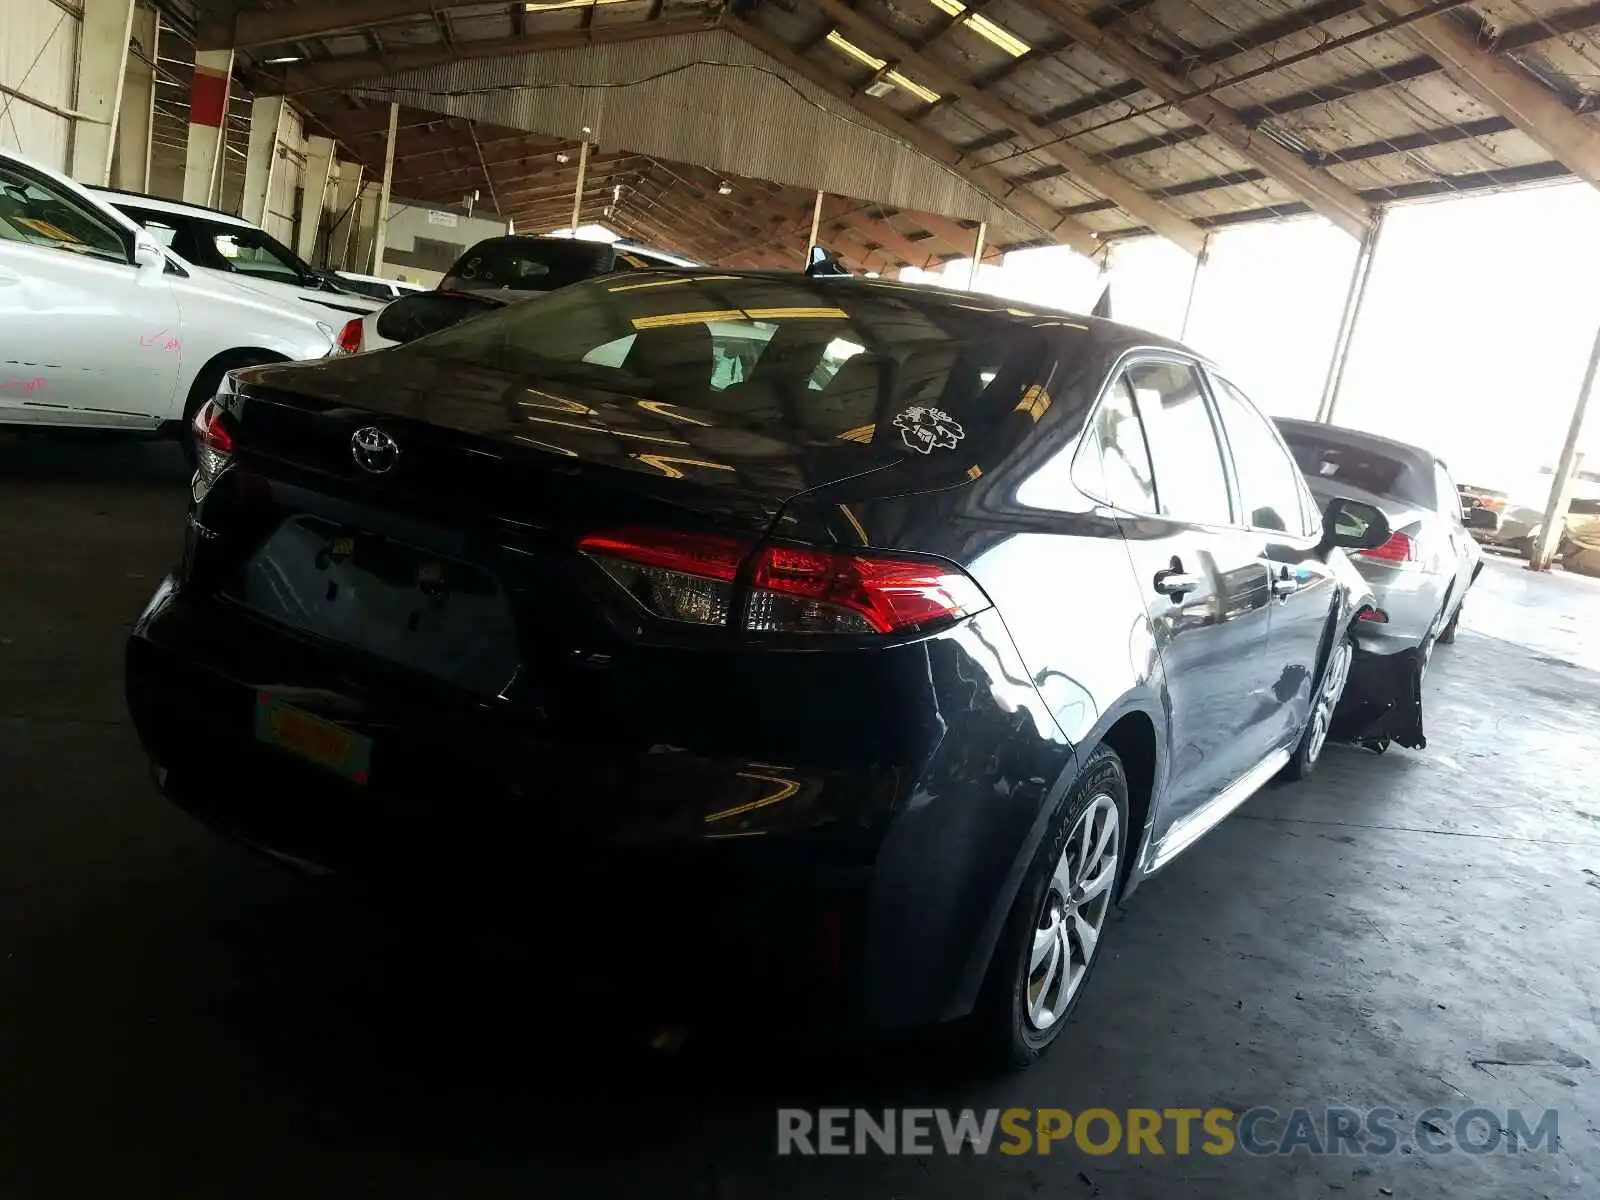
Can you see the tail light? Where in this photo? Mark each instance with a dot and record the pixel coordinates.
(791, 589)
(349, 339)
(213, 446)
(1398, 549)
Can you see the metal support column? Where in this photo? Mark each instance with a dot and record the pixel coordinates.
(208, 125)
(380, 235)
(130, 159)
(977, 256)
(261, 158)
(1200, 261)
(1555, 510)
(1359, 274)
(102, 59)
(816, 226)
(583, 174)
(341, 230)
(314, 177)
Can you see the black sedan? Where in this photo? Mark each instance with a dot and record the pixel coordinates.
(830, 646)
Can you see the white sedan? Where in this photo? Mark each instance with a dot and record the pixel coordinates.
(102, 328)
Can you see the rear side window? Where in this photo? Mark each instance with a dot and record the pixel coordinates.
(1114, 463)
(1269, 481)
(1191, 483)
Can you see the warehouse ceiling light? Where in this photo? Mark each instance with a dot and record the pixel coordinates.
(840, 42)
(552, 5)
(984, 28)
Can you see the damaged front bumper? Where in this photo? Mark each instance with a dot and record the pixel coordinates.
(1382, 700)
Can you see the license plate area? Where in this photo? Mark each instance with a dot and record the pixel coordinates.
(313, 738)
(430, 613)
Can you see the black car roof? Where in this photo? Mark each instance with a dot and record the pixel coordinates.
(1022, 314)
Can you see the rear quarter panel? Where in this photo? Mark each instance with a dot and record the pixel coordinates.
(1065, 652)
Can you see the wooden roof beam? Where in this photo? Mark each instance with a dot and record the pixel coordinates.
(896, 245)
(1164, 220)
(1000, 190)
(1325, 194)
(958, 239)
(1504, 87)
(358, 69)
(275, 27)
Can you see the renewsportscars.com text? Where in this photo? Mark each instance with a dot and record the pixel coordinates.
(1257, 1131)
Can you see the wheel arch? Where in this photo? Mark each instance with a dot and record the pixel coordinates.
(1132, 728)
(200, 387)
(1133, 737)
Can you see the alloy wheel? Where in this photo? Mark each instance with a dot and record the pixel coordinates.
(1073, 915)
(1333, 682)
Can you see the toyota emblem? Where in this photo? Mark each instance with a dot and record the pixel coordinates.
(374, 450)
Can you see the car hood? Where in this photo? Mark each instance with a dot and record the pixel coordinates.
(322, 305)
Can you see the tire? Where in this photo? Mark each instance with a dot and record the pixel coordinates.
(1329, 689)
(1022, 1008)
(1447, 635)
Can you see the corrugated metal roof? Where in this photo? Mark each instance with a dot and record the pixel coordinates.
(1335, 84)
(709, 99)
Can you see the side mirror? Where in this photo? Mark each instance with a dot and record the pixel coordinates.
(1353, 525)
(149, 257)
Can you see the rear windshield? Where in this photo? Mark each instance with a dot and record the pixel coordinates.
(524, 264)
(900, 370)
(1360, 467)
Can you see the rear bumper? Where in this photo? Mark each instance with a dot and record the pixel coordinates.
(1412, 599)
(748, 886)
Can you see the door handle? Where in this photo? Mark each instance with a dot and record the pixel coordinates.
(1174, 582)
(1283, 587)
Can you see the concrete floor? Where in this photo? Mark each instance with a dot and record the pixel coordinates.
(179, 1019)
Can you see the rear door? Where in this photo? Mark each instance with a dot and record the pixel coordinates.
(1205, 587)
(1279, 511)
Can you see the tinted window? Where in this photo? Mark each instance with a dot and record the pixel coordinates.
(527, 264)
(175, 233)
(1362, 467)
(249, 252)
(898, 370)
(1114, 463)
(34, 211)
(1269, 481)
(1191, 483)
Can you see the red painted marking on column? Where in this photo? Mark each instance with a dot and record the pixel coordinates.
(208, 98)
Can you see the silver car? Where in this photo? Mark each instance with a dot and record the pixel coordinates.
(1420, 576)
